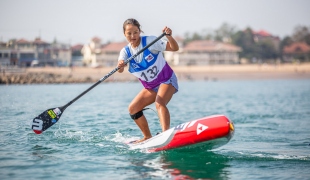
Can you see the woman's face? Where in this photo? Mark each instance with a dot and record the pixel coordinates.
(132, 34)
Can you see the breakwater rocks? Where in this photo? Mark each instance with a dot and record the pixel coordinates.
(42, 78)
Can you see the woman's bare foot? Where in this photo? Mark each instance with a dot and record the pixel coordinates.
(141, 140)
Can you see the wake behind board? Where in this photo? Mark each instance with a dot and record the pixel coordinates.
(212, 132)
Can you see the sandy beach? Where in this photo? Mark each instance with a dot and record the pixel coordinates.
(219, 72)
(40, 75)
(228, 72)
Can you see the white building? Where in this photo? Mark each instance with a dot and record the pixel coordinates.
(95, 54)
(204, 52)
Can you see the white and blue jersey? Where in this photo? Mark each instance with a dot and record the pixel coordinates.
(151, 68)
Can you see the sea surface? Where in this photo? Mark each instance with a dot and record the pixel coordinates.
(271, 141)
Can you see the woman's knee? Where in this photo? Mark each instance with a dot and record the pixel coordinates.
(135, 107)
(143, 99)
(159, 105)
(132, 108)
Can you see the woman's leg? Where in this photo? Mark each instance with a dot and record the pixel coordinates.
(143, 99)
(164, 95)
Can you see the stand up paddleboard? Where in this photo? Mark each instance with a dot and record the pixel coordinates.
(212, 131)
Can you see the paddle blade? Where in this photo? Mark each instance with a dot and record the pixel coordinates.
(46, 119)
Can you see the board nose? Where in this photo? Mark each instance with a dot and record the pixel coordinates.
(231, 126)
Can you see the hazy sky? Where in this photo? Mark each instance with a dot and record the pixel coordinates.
(77, 21)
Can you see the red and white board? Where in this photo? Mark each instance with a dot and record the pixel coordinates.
(212, 131)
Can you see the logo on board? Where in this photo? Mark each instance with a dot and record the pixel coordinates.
(201, 128)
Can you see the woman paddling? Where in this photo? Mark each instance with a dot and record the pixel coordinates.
(153, 71)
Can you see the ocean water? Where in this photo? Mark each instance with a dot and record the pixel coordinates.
(272, 138)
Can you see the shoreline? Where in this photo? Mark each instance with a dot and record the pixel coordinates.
(48, 75)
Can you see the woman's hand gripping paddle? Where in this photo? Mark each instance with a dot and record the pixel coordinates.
(51, 116)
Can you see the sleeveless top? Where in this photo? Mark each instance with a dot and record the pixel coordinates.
(152, 70)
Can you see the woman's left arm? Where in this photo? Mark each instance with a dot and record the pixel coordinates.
(172, 45)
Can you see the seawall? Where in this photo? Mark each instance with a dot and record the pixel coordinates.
(47, 75)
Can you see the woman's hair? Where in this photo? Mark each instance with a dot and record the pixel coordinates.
(133, 22)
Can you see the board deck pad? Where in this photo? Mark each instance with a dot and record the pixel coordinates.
(212, 132)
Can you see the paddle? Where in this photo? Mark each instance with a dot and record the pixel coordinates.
(52, 115)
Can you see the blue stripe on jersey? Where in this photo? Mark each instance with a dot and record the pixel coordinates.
(144, 64)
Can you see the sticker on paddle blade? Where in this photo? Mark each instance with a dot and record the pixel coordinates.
(45, 120)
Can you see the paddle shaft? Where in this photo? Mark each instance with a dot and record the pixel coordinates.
(112, 72)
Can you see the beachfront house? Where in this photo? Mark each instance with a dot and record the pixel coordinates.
(263, 36)
(77, 56)
(23, 53)
(206, 52)
(5, 54)
(110, 53)
(96, 54)
(296, 52)
(91, 51)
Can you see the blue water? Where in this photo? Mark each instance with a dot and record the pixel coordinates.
(271, 140)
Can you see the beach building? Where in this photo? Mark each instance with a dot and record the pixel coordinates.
(296, 52)
(262, 35)
(110, 53)
(5, 54)
(206, 52)
(173, 57)
(38, 52)
(77, 56)
(91, 51)
(96, 54)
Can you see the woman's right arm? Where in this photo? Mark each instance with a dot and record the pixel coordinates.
(121, 66)
(121, 62)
